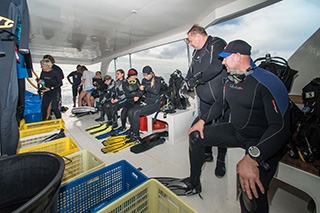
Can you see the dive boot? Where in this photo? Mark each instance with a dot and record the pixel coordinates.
(192, 190)
(208, 157)
(99, 119)
(220, 170)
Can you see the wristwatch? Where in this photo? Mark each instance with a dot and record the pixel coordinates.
(254, 153)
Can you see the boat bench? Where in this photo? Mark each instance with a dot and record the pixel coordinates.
(302, 180)
(178, 124)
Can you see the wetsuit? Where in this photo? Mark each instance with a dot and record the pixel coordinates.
(152, 100)
(53, 81)
(206, 60)
(111, 109)
(76, 80)
(130, 88)
(259, 117)
(10, 10)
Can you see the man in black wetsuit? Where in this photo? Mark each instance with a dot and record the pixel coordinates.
(51, 92)
(258, 103)
(76, 80)
(206, 75)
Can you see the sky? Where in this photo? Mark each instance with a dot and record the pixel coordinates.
(279, 29)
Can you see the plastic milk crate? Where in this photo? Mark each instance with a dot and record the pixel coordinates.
(32, 140)
(79, 164)
(41, 127)
(151, 197)
(98, 189)
(62, 147)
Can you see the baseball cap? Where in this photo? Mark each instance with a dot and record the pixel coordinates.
(236, 46)
(147, 70)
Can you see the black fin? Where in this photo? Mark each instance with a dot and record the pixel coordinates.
(144, 146)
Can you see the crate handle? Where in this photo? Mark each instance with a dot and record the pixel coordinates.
(134, 175)
(68, 159)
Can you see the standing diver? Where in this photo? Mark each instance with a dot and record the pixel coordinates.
(150, 89)
(206, 75)
(51, 91)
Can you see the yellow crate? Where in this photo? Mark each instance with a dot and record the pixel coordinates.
(150, 197)
(79, 164)
(39, 130)
(41, 124)
(32, 140)
(62, 147)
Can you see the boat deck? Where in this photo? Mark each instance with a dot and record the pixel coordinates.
(171, 160)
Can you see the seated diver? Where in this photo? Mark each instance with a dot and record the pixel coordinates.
(98, 86)
(105, 97)
(131, 88)
(150, 89)
(117, 100)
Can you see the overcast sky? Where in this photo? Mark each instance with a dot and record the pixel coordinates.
(279, 29)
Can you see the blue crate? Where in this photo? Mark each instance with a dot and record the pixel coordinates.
(96, 190)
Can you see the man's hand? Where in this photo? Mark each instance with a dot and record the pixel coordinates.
(46, 89)
(136, 99)
(114, 100)
(141, 87)
(199, 126)
(248, 171)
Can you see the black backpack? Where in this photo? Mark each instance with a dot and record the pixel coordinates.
(308, 138)
(175, 82)
(278, 66)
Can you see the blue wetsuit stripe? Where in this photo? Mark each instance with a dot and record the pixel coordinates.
(278, 90)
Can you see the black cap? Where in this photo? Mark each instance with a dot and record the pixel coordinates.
(132, 72)
(236, 46)
(147, 70)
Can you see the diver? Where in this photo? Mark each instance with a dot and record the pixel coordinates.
(105, 97)
(117, 100)
(131, 89)
(51, 83)
(206, 75)
(260, 124)
(150, 89)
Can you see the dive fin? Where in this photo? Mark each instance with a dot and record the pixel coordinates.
(115, 139)
(98, 128)
(144, 146)
(153, 135)
(55, 136)
(115, 147)
(103, 131)
(93, 127)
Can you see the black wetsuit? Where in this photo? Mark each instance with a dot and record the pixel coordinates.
(53, 81)
(9, 132)
(259, 116)
(76, 80)
(206, 60)
(111, 109)
(59, 71)
(152, 100)
(131, 89)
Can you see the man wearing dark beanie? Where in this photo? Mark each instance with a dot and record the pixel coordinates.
(150, 89)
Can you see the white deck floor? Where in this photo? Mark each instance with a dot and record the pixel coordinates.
(172, 161)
